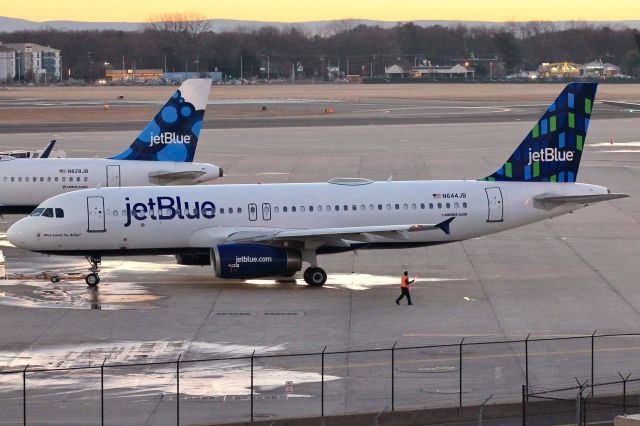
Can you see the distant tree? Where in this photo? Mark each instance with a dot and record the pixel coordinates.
(510, 50)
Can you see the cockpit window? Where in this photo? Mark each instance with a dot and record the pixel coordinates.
(47, 213)
(37, 212)
(59, 213)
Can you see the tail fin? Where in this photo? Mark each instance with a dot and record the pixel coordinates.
(47, 151)
(551, 151)
(173, 133)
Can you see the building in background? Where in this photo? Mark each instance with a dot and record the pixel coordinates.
(7, 64)
(599, 69)
(36, 63)
(137, 75)
(559, 70)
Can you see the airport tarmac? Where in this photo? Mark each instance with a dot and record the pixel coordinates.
(571, 275)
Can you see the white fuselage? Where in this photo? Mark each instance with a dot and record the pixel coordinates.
(28, 182)
(121, 221)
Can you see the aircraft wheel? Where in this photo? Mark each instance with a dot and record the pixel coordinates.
(92, 280)
(55, 279)
(315, 277)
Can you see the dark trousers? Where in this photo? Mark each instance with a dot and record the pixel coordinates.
(405, 292)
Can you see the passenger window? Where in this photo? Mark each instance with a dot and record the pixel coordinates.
(115, 213)
(371, 207)
(64, 179)
(124, 212)
(302, 209)
(388, 206)
(337, 208)
(293, 209)
(319, 208)
(47, 213)
(362, 207)
(310, 208)
(13, 179)
(41, 179)
(26, 179)
(35, 179)
(448, 205)
(397, 206)
(431, 205)
(345, 207)
(405, 206)
(379, 206)
(230, 210)
(275, 209)
(56, 178)
(221, 210)
(239, 209)
(328, 208)
(456, 205)
(284, 209)
(413, 206)
(353, 207)
(37, 212)
(86, 179)
(464, 205)
(59, 213)
(20, 179)
(439, 205)
(422, 206)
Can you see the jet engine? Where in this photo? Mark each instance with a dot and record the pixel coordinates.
(253, 260)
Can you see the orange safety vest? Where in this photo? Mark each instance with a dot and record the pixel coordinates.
(403, 282)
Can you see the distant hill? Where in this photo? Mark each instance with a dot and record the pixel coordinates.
(219, 25)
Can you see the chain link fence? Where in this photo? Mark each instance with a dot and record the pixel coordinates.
(595, 370)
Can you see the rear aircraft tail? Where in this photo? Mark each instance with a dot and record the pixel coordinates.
(173, 133)
(551, 151)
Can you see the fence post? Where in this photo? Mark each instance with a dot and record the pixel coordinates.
(178, 390)
(525, 397)
(102, 391)
(460, 376)
(254, 352)
(526, 363)
(593, 336)
(624, 391)
(24, 395)
(322, 384)
(393, 376)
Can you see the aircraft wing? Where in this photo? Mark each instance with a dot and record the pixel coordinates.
(627, 105)
(168, 178)
(357, 233)
(550, 201)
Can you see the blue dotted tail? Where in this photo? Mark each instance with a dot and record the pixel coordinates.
(172, 135)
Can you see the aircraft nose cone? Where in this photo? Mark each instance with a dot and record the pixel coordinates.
(15, 234)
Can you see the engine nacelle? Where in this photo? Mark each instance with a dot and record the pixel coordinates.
(253, 260)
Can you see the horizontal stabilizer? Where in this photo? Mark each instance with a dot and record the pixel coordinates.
(551, 201)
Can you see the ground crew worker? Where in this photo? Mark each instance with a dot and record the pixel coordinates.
(404, 286)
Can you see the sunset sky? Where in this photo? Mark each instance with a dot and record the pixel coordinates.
(300, 10)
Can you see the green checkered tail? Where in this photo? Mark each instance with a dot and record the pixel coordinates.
(552, 150)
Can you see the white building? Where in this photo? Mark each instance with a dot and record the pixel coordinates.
(7, 64)
(36, 63)
(599, 69)
(434, 71)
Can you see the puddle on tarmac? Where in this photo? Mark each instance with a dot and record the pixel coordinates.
(75, 295)
(210, 378)
(355, 281)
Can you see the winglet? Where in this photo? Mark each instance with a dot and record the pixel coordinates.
(48, 149)
(444, 225)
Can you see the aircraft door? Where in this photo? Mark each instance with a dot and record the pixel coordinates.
(266, 211)
(496, 209)
(253, 212)
(95, 214)
(113, 176)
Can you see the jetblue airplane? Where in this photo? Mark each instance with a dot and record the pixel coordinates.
(250, 231)
(161, 155)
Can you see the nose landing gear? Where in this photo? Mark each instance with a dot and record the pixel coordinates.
(93, 279)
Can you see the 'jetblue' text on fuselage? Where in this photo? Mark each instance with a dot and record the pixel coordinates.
(167, 208)
(168, 138)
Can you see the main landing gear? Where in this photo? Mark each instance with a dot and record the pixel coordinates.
(93, 279)
(315, 277)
